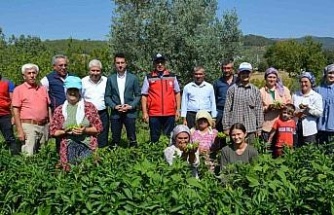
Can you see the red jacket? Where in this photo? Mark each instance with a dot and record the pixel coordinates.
(4, 98)
(161, 99)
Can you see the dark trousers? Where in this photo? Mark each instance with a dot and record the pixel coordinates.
(219, 122)
(158, 123)
(325, 137)
(102, 138)
(6, 129)
(116, 129)
(191, 119)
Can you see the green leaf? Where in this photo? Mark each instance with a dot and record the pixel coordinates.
(253, 181)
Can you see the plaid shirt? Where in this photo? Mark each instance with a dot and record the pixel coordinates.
(243, 105)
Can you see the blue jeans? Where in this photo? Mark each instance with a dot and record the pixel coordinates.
(102, 138)
(6, 129)
(158, 123)
(116, 129)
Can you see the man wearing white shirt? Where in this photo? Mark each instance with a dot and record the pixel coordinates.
(197, 95)
(93, 88)
(122, 95)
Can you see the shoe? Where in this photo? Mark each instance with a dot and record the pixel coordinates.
(134, 144)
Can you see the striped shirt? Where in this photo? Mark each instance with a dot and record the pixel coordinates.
(243, 105)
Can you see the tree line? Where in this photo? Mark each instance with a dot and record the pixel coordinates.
(188, 32)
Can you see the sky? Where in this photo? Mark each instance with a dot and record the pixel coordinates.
(91, 19)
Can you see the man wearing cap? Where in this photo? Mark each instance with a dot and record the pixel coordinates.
(31, 111)
(244, 104)
(160, 99)
(197, 95)
(93, 88)
(6, 128)
(220, 88)
(122, 95)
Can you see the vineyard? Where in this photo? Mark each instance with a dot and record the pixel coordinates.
(139, 181)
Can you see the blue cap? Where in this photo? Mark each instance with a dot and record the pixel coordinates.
(73, 82)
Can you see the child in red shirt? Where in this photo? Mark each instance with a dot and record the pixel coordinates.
(284, 128)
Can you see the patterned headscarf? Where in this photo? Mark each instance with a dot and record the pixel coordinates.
(308, 75)
(279, 84)
(329, 68)
(177, 130)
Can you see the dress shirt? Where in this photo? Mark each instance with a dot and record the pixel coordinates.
(121, 86)
(94, 92)
(198, 97)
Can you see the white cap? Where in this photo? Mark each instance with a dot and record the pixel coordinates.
(245, 66)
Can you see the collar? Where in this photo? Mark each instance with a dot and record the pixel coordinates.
(203, 84)
(121, 76)
(99, 81)
(59, 77)
(160, 74)
(30, 86)
(312, 92)
(248, 85)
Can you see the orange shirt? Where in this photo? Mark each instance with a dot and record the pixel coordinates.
(284, 131)
(33, 102)
(271, 116)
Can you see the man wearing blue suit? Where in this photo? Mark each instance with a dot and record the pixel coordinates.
(122, 95)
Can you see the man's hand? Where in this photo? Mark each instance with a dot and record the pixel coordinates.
(177, 115)
(145, 117)
(119, 108)
(185, 122)
(20, 135)
(126, 108)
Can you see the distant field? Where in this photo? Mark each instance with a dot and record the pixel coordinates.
(260, 75)
(257, 79)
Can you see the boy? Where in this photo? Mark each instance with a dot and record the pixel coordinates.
(284, 128)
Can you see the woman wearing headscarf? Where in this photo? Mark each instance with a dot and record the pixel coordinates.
(326, 121)
(274, 97)
(309, 108)
(180, 138)
(77, 123)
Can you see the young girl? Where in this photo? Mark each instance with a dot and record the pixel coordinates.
(239, 150)
(206, 136)
(284, 128)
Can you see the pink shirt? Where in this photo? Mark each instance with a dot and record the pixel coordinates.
(205, 140)
(33, 102)
(271, 116)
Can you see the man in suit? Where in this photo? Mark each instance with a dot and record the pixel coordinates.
(122, 95)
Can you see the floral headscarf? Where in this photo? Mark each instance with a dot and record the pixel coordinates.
(308, 75)
(279, 84)
(329, 68)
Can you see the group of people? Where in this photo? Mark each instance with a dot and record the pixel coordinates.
(75, 111)
(244, 112)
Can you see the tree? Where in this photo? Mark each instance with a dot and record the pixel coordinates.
(294, 56)
(186, 31)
